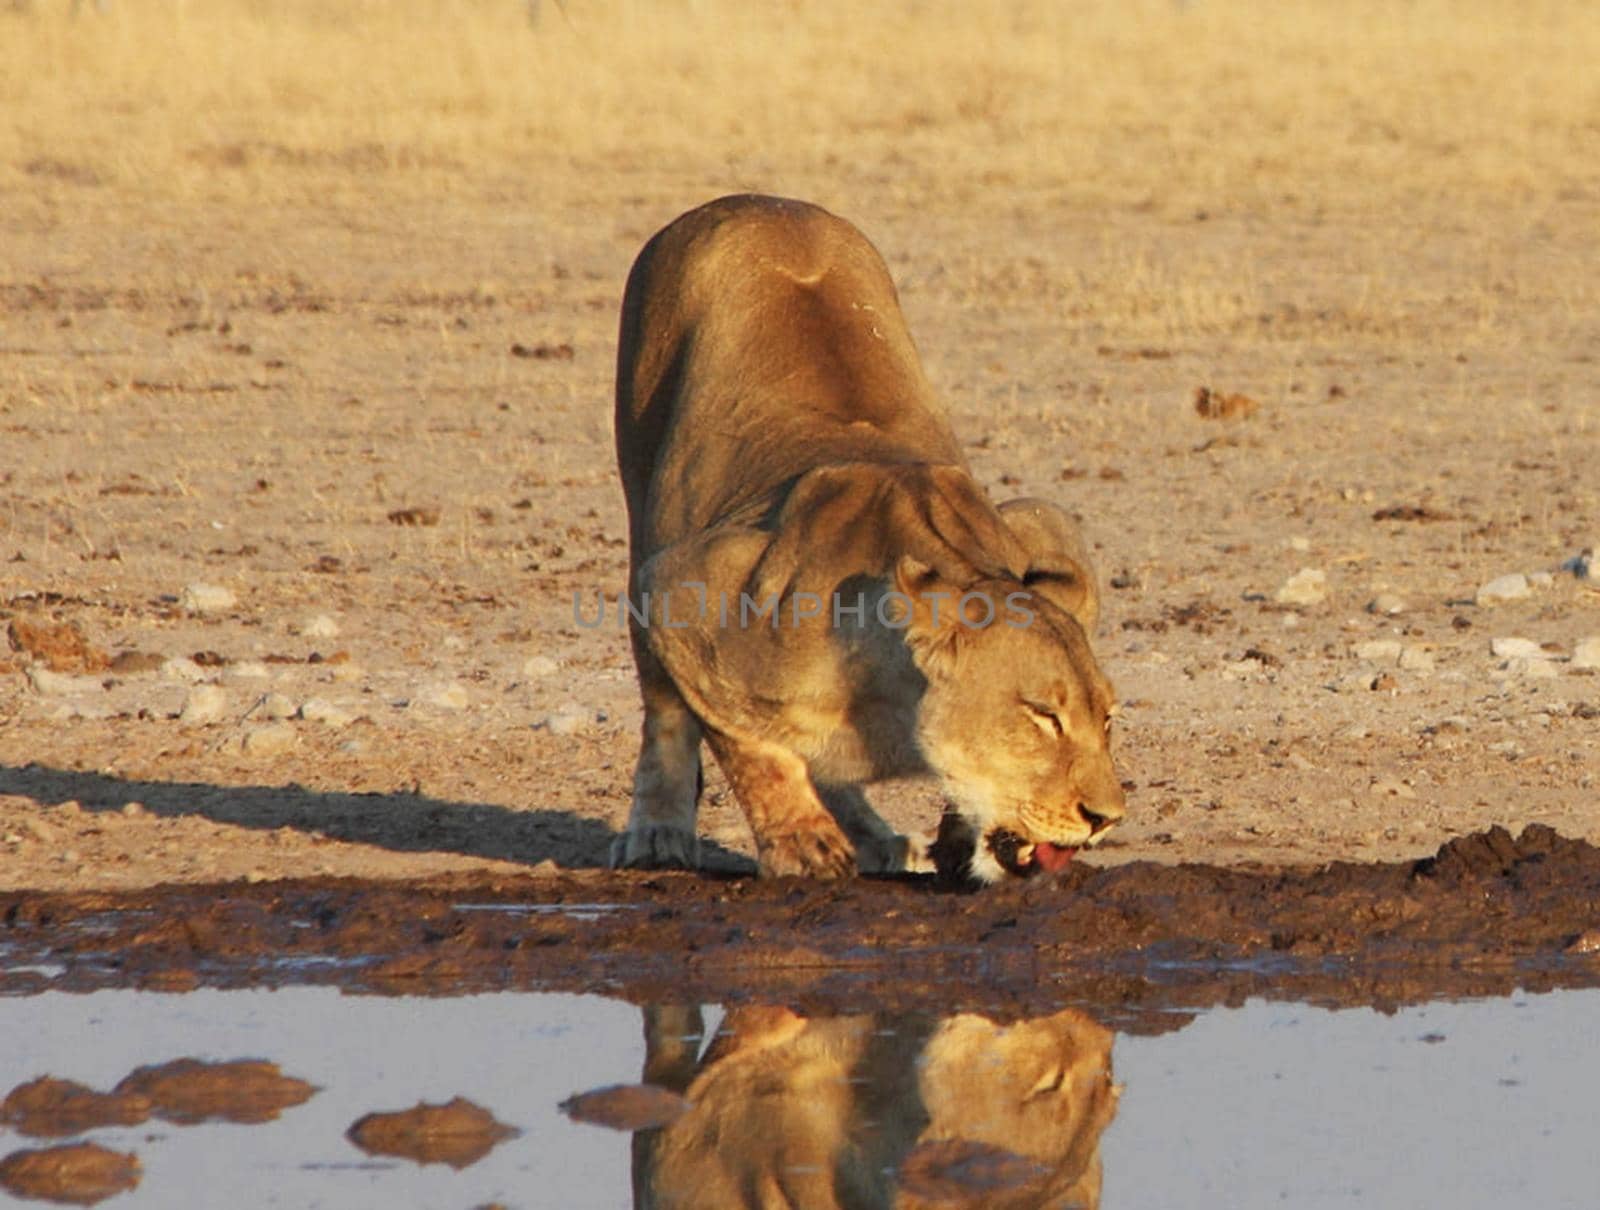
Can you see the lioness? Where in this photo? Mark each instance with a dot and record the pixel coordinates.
(817, 586)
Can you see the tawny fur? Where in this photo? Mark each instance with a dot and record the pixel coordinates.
(780, 446)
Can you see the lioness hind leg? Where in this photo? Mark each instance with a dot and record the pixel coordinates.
(666, 781)
(793, 831)
(879, 848)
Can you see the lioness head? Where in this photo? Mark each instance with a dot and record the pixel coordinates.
(1015, 720)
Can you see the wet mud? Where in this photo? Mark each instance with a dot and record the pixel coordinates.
(1488, 913)
(457, 1133)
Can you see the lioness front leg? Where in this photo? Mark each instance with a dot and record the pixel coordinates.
(666, 781)
(793, 831)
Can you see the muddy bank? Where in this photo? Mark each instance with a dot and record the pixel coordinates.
(1488, 913)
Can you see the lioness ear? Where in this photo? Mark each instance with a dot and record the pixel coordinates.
(1059, 568)
(932, 611)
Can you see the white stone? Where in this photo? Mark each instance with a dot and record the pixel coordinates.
(1513, 587)
(270, 739)
(1541, 580)
(207, 598)
(182, 668)
(539, 665)
(318, 710)
(1381, 651)
(448, 696)
(61, 684)
(1587, 653)
(203, 704)
(347, 672)
(1533, 668)
(1416, 658)
(568, 720)
(1306, 587)
(250, 670)
(320, 627)
(276, 706)
(1387, 604)
(1513, 648)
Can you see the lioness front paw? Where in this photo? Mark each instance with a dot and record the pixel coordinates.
(818, 854)
(655, 847)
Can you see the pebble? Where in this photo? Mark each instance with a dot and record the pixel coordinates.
(347, 672)
(182, 668)
(319, 710)
(276, 706)
(539, 665)
(1583, 565)
(449, 696)
(207, 598)
(1533, 668)
(202, 705)
(1511, 647)
(1307, 586)
(250, 670)
(1381, 651)
(1587, 653)
(568, 719)
(1541, 579)
(1513, 587)
(60, 684)
(1416, 658)
(269, 740)
(1386, 604)
(133, 810)
(320, 627)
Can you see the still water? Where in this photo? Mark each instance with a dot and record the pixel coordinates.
(1476, 1104)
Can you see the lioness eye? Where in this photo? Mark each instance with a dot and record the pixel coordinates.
(1045, 717)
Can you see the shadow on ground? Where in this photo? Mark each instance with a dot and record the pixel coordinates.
(410, 823)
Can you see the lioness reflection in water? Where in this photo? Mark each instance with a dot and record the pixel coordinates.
(876, 1111)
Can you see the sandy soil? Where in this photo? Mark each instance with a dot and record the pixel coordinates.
(377, 418)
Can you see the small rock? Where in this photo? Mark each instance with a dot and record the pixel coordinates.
(449, 696)
(1513, 587)
(269, 740)
(1532, 668)
(276, 706)
(317, 710)
(1511, 648)
(1307, 586)
(347, 672)
(207, 598)
(1541, 580)
(1379, 651)
(250, 670)
(1583, 565)
(320, 627)
(203, 705)
(182, 668)
(1386, 604)
(1416, 658)
(1384, 683)
(60, 684)
(133, 810)
(568, 720)
(539, 665)
(1587, 653)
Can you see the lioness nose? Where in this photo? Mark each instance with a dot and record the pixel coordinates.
(1100, 818)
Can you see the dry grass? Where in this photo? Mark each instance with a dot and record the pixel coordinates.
(1217, 102)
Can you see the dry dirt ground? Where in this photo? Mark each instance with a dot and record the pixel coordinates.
(368, 401)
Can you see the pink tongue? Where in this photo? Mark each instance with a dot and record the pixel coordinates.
(1050, 858)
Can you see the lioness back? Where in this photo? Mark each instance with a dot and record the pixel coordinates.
(773, 324)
